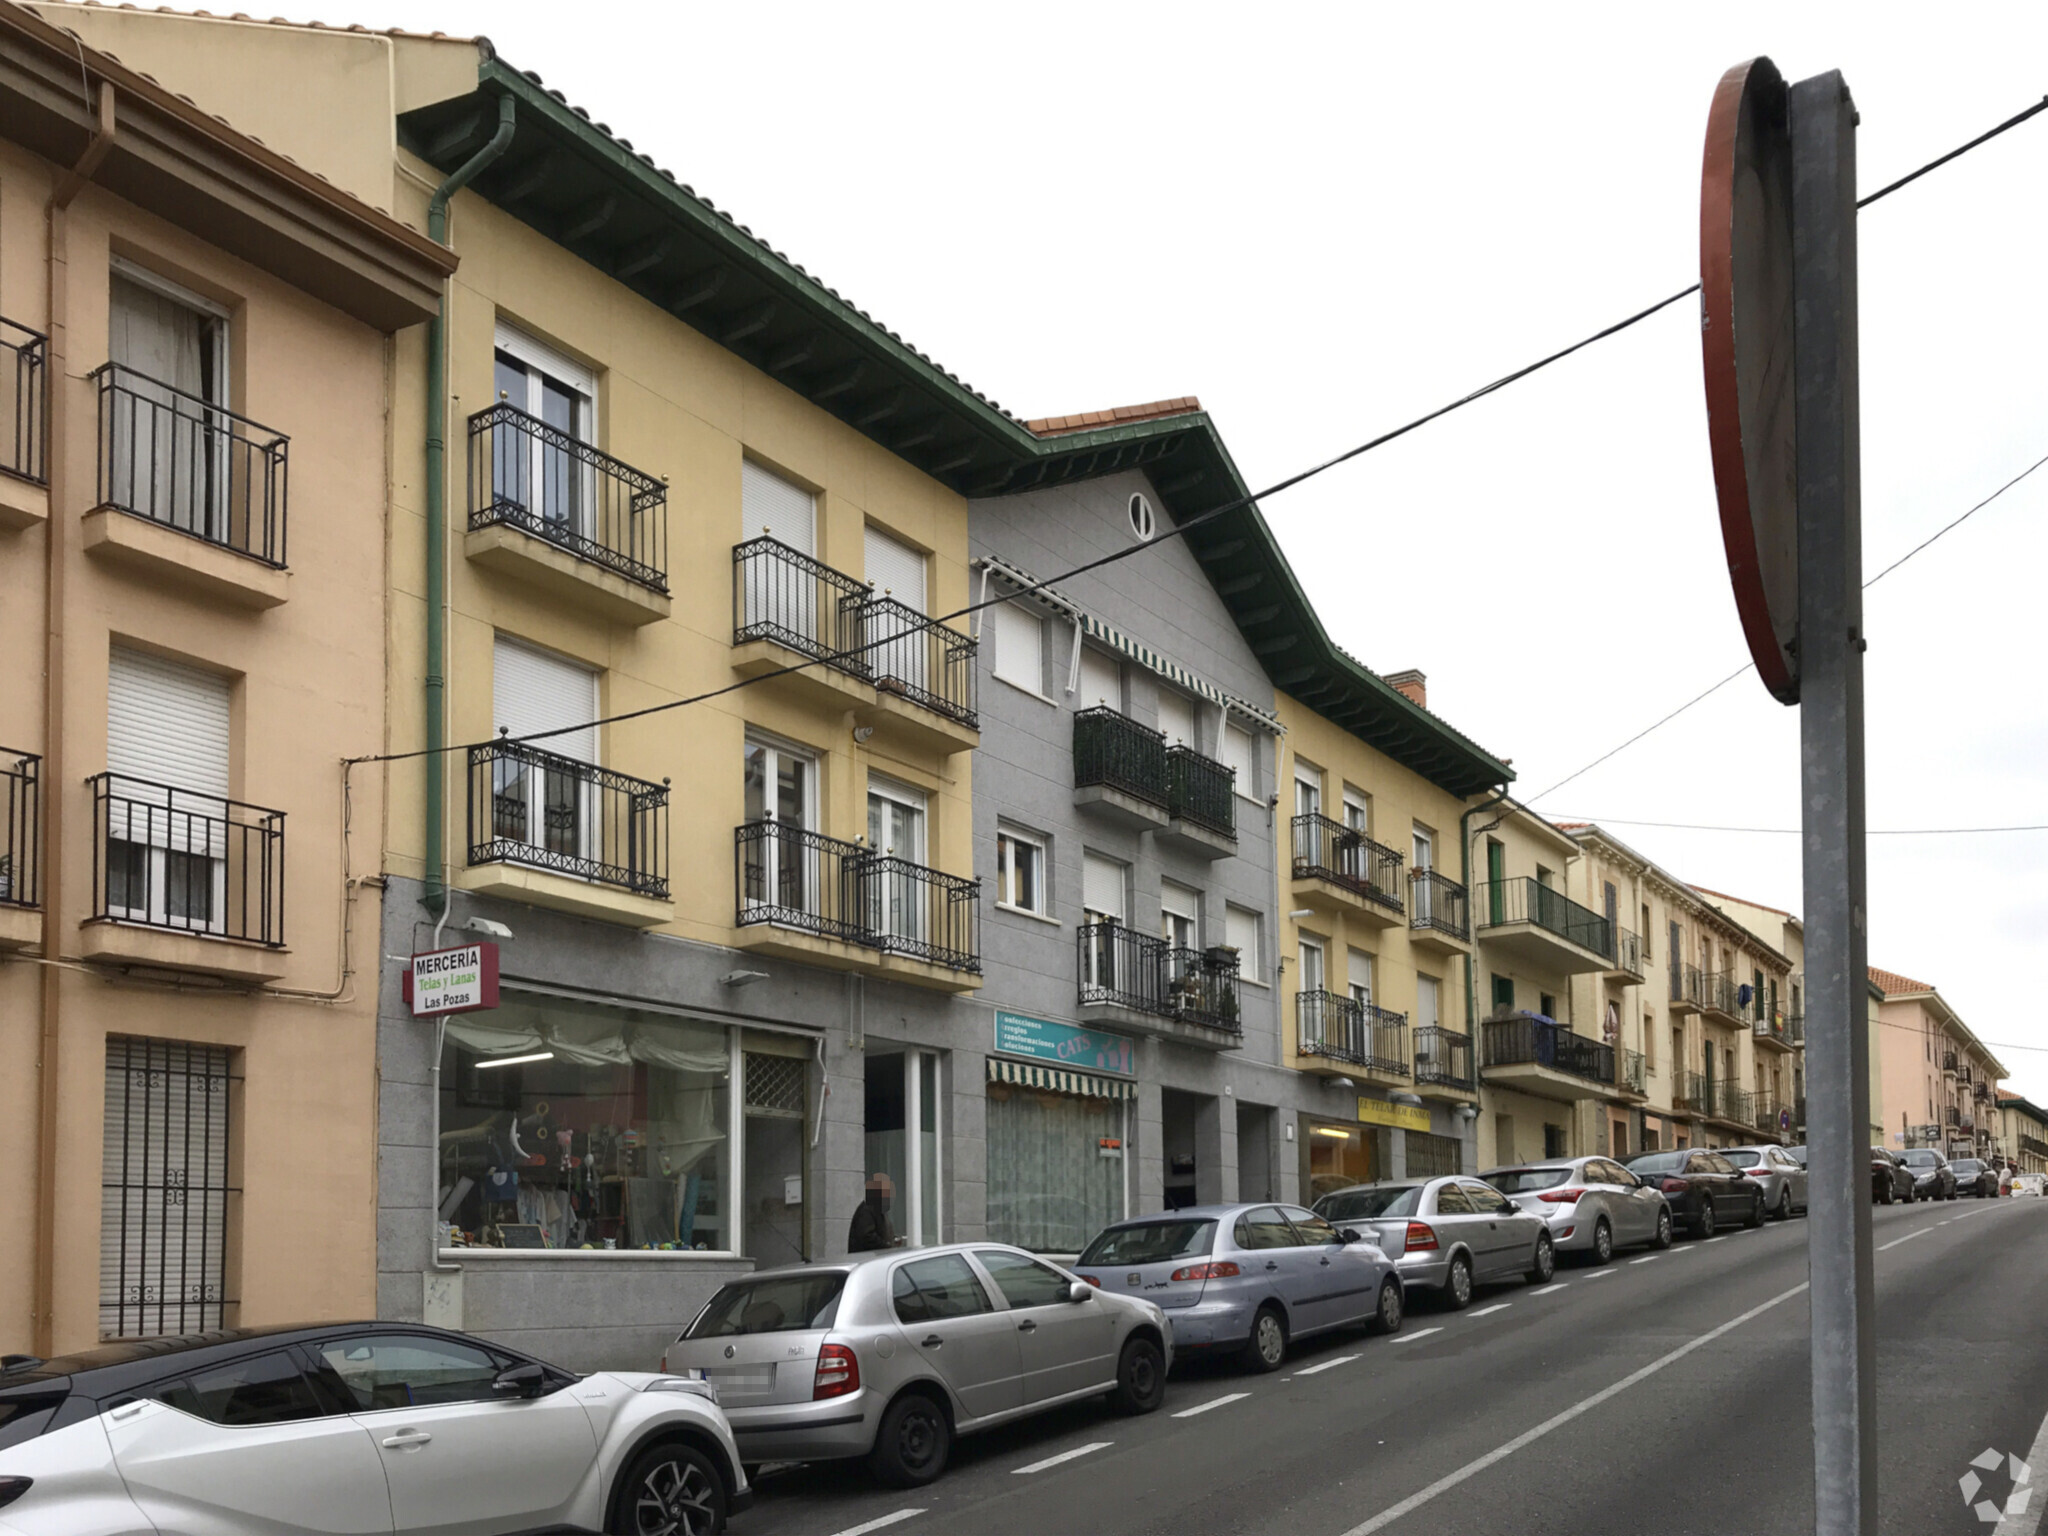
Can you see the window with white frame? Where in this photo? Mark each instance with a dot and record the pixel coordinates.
(1358, 811)
(540, 802)
(1240, 754)
(1020, 872)
(1177, 718)
(1019, 636)
(534, 469)
(1180, 915)
(1310, 975)
(780, 800)
(1361, 977)
(1102, 683)
(1308, 789)
(168, 459)
(1104, 883)
(166, 807)
(896, 830)
(1244, 931)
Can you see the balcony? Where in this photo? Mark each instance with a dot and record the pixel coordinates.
(558, 514)
(1628, 956)
(1134, 981)
(1716, 1098)
(1722, 1000)
(21, 824)
(1443, 1060)
(24, 381)
(1981, 1093)
(1439, 913)
(184, 881)
(1795, 1029)
(1201, 805)
(805, 896)
(1346, 1033)
(1951, 1116)
(1538, 1056)
(1771, 1114)
(561, 833)
(188, 491)
(1688, 988)
(1339, 866)
(1948, 1063)
(788, 609)
(1775, 1031)
(1543, 928)
(1632, 1072)
(1119, 769)
(924, 677)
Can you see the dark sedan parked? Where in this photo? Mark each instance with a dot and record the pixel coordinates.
(1890, 1178)
(1933, 1179)
(1703, 1188)
(1975, 1179)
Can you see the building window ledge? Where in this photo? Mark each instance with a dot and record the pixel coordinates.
(511, 551)
(162, 552)
(566, 893)
(23, 503)
(20, 927)
(109, 941)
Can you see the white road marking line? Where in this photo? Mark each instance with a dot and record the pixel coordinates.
(1648, 1258)
(1420, 1333)
(1549, 1288)
(1214, 1402)
(2028, 1522)
(1721, 1239)
(1688, 1248)
(1325, 1365)
(1053, 1461)
(1415, 1501)
(1944, 1223)
(1906, 1239)
(876, 1525)
(1600, 1274)
(1498, 1306)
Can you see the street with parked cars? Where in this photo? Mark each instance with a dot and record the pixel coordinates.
(852, 1378)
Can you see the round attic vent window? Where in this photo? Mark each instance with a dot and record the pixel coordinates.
(1141, 517)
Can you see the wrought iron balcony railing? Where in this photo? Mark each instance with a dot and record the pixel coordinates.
(1329, 850)
(1201, 790)
(1948, 1061)
(1795, 1028)
(793, 877)
(1124, 968)
(1715, 1096)
(169, 858)
(1529, 1041)
(535, 807)
(1347, 1030)
(1771, 1028)
(783, 595)
(1688, 985)
(24, 378)
(919, 659)
(1628, 951)
(528, 475)
(183, 461)
(1723, 993)
(1631, 1066)
(1438, 903)
(1443, 1056)
(1113, 751)
(21, 818)
(1764, 1108)
(1524, 899)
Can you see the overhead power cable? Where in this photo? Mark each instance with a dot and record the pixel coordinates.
(1182, 529)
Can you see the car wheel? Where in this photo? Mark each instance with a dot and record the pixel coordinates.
(1703, 1224)
(670, 1490)
(1458, 1284)
(1886, 1194)
(1386, 1318)
(1140, 1378)
(912, 1444)
(1268, 1341)
(1603, 1241)
(1755, 1218)
(1545, 1263)
(1663, 1238)
(1784, 1211)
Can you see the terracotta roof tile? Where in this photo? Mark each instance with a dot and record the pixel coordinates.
(1894, 985)
(1116, 416)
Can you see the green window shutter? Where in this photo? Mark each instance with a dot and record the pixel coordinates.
(1503, 992)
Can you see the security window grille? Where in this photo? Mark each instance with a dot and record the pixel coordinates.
(1432, 1157)
(165, 1195)
(775, 1085)
(1554, 1141)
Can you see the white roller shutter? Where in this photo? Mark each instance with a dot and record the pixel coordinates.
(1019, 635)
(895, 569)
(772, 505)
(532, 690)
(167, 723)
(1101, 680)
(1241, 932)
(1237, 755)
(1179, 900)
(1102, 885)
(1176, 718)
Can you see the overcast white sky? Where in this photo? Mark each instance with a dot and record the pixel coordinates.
(1326, 219)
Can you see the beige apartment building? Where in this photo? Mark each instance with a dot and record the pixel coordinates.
(194, 363)
(1940, 1082)
(2023, 1132)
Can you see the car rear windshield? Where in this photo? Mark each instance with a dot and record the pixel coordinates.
(1365, 1204)
(1152, 1242)
(1523, 1181)
(1744, 1159)
(1659, 1162)
(1968, 1165)
(1920, 1157)
(774, 1304)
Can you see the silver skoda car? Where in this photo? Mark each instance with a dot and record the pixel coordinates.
(1592, 1205)
(1247, 1278)
(889, 1356)
(1446, 1234)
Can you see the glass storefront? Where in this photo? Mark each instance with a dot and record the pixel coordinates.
(1056, 1144)
(904, 1139)
(574, 1125)
(1333, 1156)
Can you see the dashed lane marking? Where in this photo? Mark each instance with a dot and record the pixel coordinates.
(1420, 1333)
(876, 1525)
(1721, 1239)
(1906, 1239)
(1214, 1402)
(1549, 1288)
(1053, 1461)
(1325, 1365)
(1498, 1306)
(1648, 1258)
(1600, 1274)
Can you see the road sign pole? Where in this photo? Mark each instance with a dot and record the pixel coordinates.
(1830, 658)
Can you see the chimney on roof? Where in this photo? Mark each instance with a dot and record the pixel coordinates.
(1412, 685)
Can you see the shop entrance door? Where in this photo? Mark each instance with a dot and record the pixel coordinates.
(904, 1138)
(1333, 1157)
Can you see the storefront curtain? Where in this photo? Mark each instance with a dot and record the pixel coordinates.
(1050, 1185)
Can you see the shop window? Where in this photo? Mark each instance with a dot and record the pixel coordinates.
(1055, 1166)
(576, 1125)
(905, 1140)
(1334, 1157)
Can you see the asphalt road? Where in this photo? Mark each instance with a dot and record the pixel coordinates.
(1667, 1396)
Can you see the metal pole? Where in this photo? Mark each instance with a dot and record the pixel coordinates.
(1823, 125)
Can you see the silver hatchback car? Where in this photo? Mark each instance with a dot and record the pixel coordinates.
(1446, 1234)
(1247, 1277)
(890, 1355)
(1592, 1205)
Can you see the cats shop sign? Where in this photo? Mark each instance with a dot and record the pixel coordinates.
(460, 980)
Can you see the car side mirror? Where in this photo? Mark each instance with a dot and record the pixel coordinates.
(1349, 1235)
(525, 1380)
(1079, 1290)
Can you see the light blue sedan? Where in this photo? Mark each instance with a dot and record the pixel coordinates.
(1247, 1278)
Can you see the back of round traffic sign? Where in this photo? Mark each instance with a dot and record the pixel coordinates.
(1746, 338)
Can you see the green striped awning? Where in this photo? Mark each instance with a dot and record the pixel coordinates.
(1030, 1075)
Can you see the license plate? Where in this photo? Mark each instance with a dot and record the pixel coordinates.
(745, 1380)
